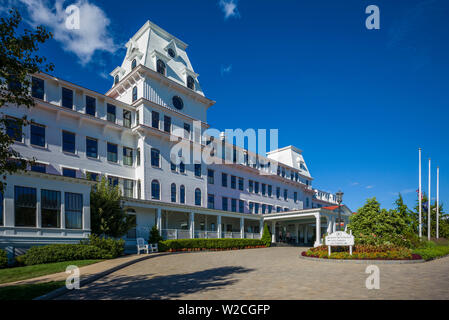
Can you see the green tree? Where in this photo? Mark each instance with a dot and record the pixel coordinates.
(443, 218)
(155, 235)
(18, 60)
(107, 215)
(266, 235)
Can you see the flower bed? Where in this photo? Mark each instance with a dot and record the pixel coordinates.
(363, 252)
(209, 244)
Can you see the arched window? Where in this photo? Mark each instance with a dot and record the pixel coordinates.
(133, 64)
(116, 79)
(160, 66)
(155, 190)
(173, 192)
(182, 194)
(190, 82)
(197, 197)
(134, 94)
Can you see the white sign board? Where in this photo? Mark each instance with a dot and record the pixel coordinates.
(340, 238)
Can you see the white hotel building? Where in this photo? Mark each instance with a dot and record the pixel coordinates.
(126, 135)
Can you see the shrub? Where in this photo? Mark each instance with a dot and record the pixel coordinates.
(3, 259)
(431, 251)
(383, 252)
(266, 236)
(63, 252)
(155, 236)
(207, 244)
(112, 246)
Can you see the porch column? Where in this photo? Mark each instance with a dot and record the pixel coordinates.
(159, 220)
(273, 232)
(220, 232)
(329, 224)
(334, 227)
(192, 225)
(296, 233)
(242, 227)
(261, 227)
(38, 210)
(306, 240)
(318, 231)
(62, 210)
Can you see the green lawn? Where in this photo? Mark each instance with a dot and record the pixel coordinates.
(28, 272)
(432, 252)
(28, 291)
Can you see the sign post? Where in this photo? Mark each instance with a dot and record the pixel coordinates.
(339, 238)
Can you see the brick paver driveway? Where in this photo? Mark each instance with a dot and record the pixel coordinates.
(272, 273)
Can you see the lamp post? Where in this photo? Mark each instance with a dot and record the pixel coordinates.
(339, 195)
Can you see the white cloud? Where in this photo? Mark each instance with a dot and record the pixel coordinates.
(355, 184)
(229, 8)
(225, 70)
(369, 187)
(92, 36)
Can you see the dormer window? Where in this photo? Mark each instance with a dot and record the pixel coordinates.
(133, 64)
(116, 79)
(134, 94)
(171, 52)
(160, 66)
(190, 82)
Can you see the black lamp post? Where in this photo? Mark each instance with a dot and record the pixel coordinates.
(339, 195)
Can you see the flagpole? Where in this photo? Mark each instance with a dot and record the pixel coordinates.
(428, 207)
(438, 194)
(419, 197)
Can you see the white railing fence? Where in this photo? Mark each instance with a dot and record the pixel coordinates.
(171, 234)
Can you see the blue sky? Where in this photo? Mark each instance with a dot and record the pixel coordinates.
(358, 102)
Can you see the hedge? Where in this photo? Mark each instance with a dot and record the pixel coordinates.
(63, 252)
(209, 244)
(370, 252)
(110, 245)
(432, 252)
(3, 259)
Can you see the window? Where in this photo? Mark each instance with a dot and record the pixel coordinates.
(91, 105)
(155, 190)
(132, 233)
(92, 176)
(113, 181)
(270, 209)
(37, 135)
(224, 204)
(278, 192)
(127, 118)
(241, 184)
(233, 182)
(173, 166)
(186, 130)
(155, 119)
(264, 189)
(251, 207)
(256, 207)
(39, 167)
(160, 66)
(67, 172)
(182, 167)
(241, 206)
(67, 98)
(37, 88)
(285, 194)
(190, 82)
(264, 208)
(182, 194)
(177, 102)
(112, 152)
(224, 179)
(116, 79)
(307, 202)
(173, 192)
(171, 52)
(295, 196)
(91, 148)
(155, 155)
(73, 210)
(250, 186)
(50, 208)
(127, 156)
(270, 190)
(167, 124)
(14, 129)
(138, 157)
(197, 197)
(133, 64)
(197, 167)
(134, 97)
(14, 84)
(210, 176)
(25, 206)
(68, 142)
(278, 209)
(139, 189)
(256, 187)
(234, 205)
(110, 113)
(128, 188)
(211, 201)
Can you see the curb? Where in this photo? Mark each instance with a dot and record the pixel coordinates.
(360, 261)
(63, 290)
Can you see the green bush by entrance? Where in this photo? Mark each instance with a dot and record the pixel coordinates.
(266, 236)
(3, 259)
(209, 244)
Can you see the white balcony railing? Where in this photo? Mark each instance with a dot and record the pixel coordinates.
(171, 234)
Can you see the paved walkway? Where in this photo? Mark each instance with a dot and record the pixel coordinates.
(271, 273)
(85, 271)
